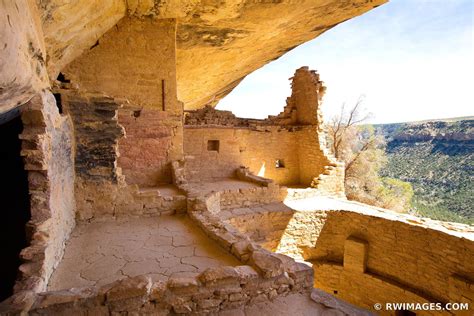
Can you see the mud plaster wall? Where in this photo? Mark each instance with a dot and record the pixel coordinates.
(401, 262)
(136, 60)
(47, 143)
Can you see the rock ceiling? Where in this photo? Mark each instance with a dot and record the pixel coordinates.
(219, 42)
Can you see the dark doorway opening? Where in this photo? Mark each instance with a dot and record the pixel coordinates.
(14, 204)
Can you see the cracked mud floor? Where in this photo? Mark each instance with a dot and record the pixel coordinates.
(99, 253)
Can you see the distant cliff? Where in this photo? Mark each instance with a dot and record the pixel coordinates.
(437, 158)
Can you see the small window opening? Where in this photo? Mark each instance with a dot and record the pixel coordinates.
(57, 96)
(335, 292)
(137, 113)
(279, 163)
(213, 145)
(62, 78)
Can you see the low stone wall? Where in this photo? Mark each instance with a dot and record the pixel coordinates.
(211, 291)
(100, 200)
(279, 228)
(251, 196)
(261, 225)
(204, 210)
(46, 147)
(267, 192)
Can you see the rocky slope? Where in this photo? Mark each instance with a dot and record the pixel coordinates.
(437, 158)
(218, 42)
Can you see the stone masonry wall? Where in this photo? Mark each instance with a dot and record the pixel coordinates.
(100, 188)
(96, 135)
(263, 226)
(307, 93)
(366, 258)
(311, 158)
(136, 60)
(369, 259)
(402, 256)
(150, 143)
(47, 147)
(279, 228)
(256, 149)
(202, 164)
(296, 148)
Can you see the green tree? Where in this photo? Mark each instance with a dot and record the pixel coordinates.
(363, 152)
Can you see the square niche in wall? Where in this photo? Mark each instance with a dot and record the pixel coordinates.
(213, 145)
(279, 163)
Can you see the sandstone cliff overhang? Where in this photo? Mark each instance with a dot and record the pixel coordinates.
(218, 42)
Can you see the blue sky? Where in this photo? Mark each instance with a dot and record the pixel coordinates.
(412, 59)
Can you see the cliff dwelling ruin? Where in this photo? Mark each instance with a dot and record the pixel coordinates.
(125, 192)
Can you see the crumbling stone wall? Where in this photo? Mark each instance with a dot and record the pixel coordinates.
(100, 189)
(47, 149)
(306, 94)
(288, 148)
